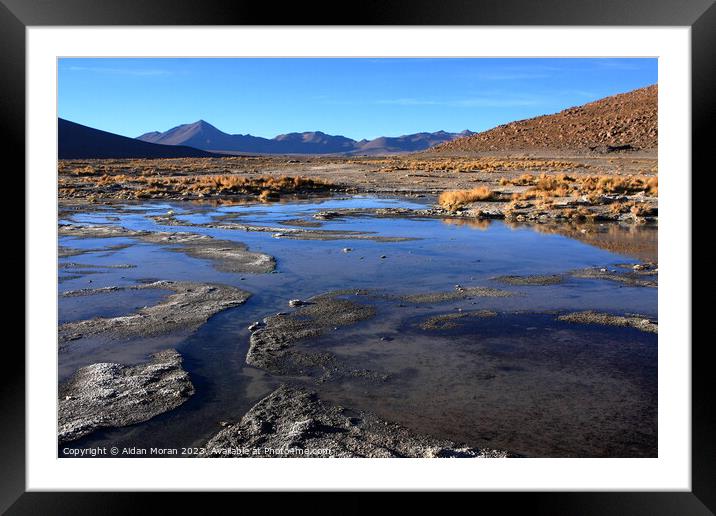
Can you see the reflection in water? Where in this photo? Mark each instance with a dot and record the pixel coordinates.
(480, 224)
(640, 242)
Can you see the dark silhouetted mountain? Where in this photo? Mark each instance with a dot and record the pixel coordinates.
(203, 135)
(77, 141)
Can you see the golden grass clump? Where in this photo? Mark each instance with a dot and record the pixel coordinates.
(486, 164)
(580, 214)
(628, 185)
(454, 199)
(154, 185)
(591, 187)
(523, 180)
(83, 171)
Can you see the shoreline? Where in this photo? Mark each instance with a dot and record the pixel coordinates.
(273, 179)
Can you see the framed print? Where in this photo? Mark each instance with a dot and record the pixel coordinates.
(427, 251)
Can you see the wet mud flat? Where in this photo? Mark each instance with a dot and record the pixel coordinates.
(527, 383)
(377, 328)
(293, 422)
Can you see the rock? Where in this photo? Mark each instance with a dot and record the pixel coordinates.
(534, 280)
(227, 255)
(296, 302)
(461, 293)
(107, 395)
(591, 317)
(197, 301)
(326, 215)
(293, 422)
(271, 347)
(632, 278)
(453, 320)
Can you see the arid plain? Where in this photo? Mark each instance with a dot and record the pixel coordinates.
(491, 296)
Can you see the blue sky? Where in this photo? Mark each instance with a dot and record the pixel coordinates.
(358, 98)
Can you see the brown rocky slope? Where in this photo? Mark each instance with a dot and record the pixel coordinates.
(624, 121)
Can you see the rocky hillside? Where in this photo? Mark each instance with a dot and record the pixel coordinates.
(621, 122)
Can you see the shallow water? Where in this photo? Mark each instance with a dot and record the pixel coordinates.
(519, 381)
(107, 304)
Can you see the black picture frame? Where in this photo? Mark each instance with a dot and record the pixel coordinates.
(700, 15)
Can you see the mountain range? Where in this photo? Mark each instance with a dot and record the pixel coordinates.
(203, 135)
(626, 121)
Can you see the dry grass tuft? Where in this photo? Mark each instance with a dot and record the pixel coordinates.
(486, 164)
(83, 171)
(454, 199)
(591, 187)
(154, 186)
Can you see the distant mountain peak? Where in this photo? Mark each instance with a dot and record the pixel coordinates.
(203, 123)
